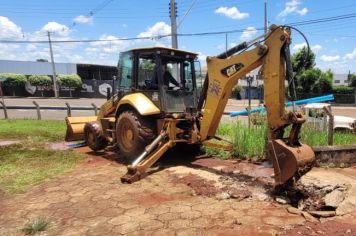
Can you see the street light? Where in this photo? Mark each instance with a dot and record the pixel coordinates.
(249, 80)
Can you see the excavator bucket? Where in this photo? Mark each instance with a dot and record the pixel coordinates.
(289, 161)
(75, 127)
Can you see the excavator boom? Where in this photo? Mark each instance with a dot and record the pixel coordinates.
(289, 157)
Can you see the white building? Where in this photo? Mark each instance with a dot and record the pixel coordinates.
(340, 80)
(36, 68)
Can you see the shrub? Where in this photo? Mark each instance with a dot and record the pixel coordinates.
(70, 81)
(13, 80)
(343, 90)
(40, 80)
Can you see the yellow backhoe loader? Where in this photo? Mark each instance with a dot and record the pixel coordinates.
(148, 115)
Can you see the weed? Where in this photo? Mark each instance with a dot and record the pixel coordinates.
(38, 225)
(251, 143)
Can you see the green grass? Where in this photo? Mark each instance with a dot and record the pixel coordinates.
(251, 143)
(314, 137)
(23, 165)
(38, 225)
(39, 130)
(31, 162)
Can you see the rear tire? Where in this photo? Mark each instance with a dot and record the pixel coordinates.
(94, 137)
(133, 134)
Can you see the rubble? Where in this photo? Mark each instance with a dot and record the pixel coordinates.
(334, 198)
(309, 217)
(323, 214)
(294, 211)
(282, 200)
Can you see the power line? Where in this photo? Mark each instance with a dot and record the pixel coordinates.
(300, 23)
(95, 10)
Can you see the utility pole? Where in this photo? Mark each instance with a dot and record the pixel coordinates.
(53, 66)
(173, 16)
(226, 43)
(266, 24)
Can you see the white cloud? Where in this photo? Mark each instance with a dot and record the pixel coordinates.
(293, 6)
(160, 28)
(113, 46)
(303, 12)
(350, 56)
(248, 33)
(83, 19)
(8, 29)
(315, 48)
(232, 12)
(57, 29)
(326, 58)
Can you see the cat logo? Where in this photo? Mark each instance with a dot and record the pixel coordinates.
(231, 70)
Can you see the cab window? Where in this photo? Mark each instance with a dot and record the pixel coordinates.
(125, 71)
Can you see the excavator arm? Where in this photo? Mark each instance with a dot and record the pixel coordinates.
(290, 158)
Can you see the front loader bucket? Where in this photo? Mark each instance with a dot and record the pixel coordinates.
(289, 161)
(75, 127)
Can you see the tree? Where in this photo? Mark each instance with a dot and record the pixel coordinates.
(324, 83)
(307, 79)
(351, 78)
(237, 89)
(302, 61)
(40, 81)
(70, 81)
(14, 80)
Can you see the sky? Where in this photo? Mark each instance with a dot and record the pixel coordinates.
(334, 42)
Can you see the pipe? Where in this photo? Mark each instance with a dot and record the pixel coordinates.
(325, 98)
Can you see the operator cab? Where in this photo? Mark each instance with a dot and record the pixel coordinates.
(170, 78)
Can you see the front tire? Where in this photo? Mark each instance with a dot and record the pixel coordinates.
(133, 134)
(93, 136)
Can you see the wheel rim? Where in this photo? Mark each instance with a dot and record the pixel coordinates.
(126, 136)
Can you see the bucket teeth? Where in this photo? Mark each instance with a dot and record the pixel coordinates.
(290, 162)
(132, 175)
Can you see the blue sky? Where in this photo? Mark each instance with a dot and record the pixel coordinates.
(333, 42)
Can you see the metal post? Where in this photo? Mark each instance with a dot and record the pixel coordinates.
(108, 93)
(69, 110)
(95, 109)
(4, 108)
(249, 81)
(53, 66)
(3, 102)
(38, 110)
(331, 125)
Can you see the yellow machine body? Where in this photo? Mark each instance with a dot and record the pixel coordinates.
(138, 101)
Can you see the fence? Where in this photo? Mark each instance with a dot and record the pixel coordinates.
(39, 108)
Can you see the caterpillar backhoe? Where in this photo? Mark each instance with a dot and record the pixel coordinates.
(148, 116)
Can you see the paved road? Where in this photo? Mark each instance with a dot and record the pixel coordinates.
(233, 105)
(208, 199)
